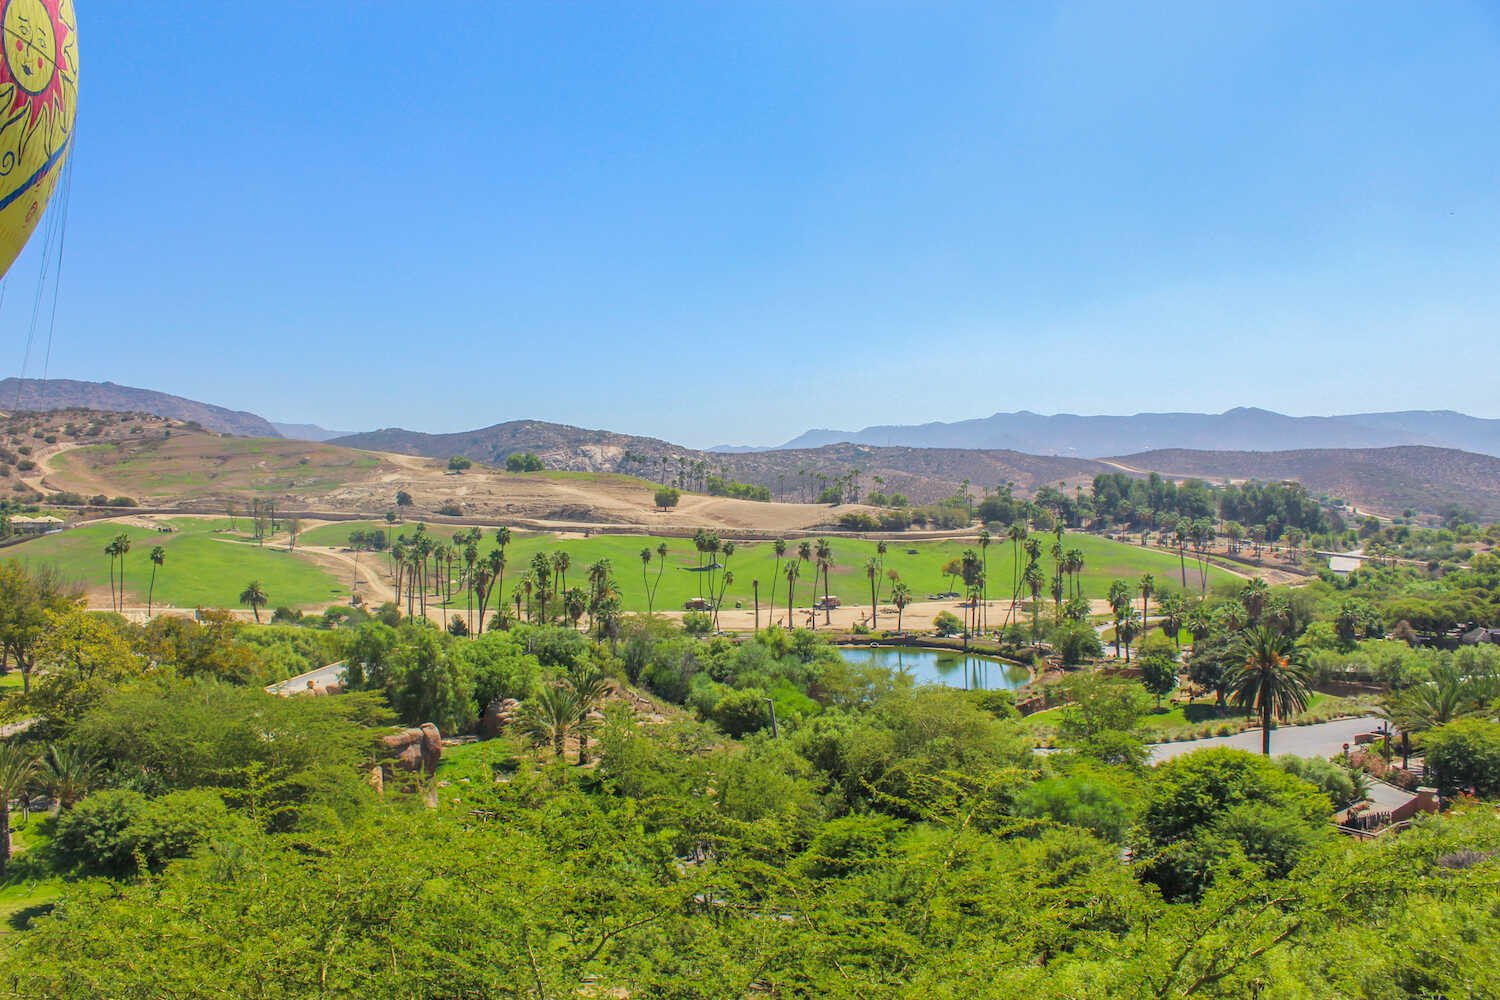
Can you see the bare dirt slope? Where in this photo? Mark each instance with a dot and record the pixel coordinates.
(164, 464)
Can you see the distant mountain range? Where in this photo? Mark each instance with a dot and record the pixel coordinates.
(1389, 480)
(1239, 429)
(1427, 460)
(69, 394)
(307, 432)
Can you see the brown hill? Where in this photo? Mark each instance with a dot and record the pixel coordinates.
(34, 394)
(923, 474)
(1385, 480)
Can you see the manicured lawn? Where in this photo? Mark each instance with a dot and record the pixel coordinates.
(920, 564)
(206, 564)
(29, 886)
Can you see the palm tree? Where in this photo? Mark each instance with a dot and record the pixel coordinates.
(793, 567)
(1181, 532)
(1253, 598)
(552, 715)
(724, 582)
(560, 563)
(880, 550)
(661, 567)
(1035, 581)
(590, 685)
(481, 579)
(255, 596)
(872, 573)
(984, 556)
(113, 551)
(778, 547)
(66, 774)
(901, 597)
(1017, 534)
(805, 554)
(122, 544)
(1147, 587)
(1119, 603)
(646, 580)
(825, 563)
(502, 539)
(1273, 681)
(1453, 692)
(16, 772)
(574, 604)
(541, 573)
(158, 557)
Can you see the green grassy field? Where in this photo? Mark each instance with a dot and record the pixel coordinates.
(920, 564)
(206, 565)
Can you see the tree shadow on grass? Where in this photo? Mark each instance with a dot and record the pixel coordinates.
(21, 919)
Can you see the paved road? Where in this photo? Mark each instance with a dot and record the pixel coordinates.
(322, 677)
(1322, 740)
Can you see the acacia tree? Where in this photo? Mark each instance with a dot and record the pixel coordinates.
(158, 557)
(1272, 681)
(254, 595)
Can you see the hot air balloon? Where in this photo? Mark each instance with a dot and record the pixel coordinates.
(38, 98)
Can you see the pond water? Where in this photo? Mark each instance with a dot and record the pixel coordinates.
(942, 666)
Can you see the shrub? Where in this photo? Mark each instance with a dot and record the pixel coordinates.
(697, 623)
(947, 623)
(523, 462)
(1466, 754)
(451, 509)
(740, 713)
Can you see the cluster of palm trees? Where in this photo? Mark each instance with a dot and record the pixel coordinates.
(117, 549)
(567, 708)
(63, 773)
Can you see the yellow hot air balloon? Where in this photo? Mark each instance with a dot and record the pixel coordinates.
(38, 98)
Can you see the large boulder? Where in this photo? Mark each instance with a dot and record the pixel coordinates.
(417, 749)
(497, 715)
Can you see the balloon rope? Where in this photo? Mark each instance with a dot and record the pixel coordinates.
(62, 244)
(36, 301)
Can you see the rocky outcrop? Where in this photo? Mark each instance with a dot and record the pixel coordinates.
(498, 714)
(417, 749)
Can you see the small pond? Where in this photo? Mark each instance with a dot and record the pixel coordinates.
(942, 666)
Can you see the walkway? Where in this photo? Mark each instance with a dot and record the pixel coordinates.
(1321, 740)
(322, 677)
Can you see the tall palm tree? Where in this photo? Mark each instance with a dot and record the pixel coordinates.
(1272, 681)
(574, 604)
(1017, 534)
(158, 557)
(502, 539)
(872, 573)
(825, 563)
(113, 551)
(1147, 586)
(880, 550)
(541, 574)
(984, 557)
(122, 543)
(481, 579)
(17, 769)
(645, 579)
(779, 548)
(560, 563)
(901, 597)
(661, 567)
(1119, 603)
(1074, 565)
(805, 554)
(1035, 581)
(793, 568)
(255, 596)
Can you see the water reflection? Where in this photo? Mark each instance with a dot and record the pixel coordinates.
(941, 666)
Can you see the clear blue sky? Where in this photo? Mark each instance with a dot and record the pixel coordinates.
(714, 223)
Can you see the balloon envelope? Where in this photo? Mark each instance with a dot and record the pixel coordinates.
(38, 98)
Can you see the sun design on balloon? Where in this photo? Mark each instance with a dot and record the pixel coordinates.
(38, 98)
